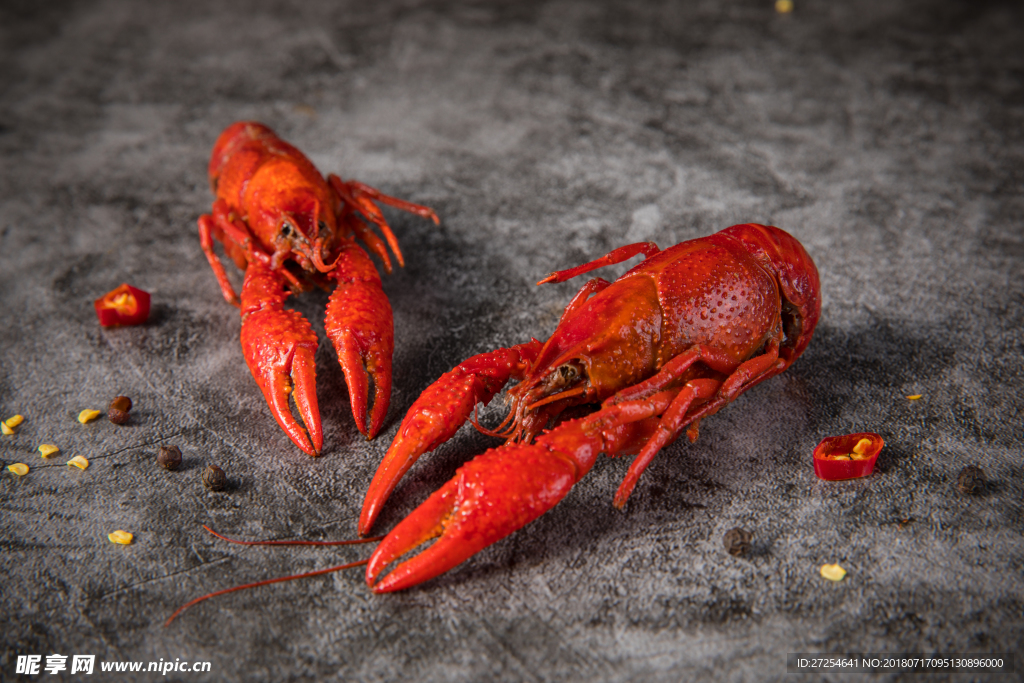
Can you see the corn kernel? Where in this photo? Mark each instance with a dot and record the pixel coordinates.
(79, 462)
(48, 450)
(120, 537)
(88, 415)
(833, 572)
(19, 468)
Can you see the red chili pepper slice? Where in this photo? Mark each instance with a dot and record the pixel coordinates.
(126, 305)
(847, 457)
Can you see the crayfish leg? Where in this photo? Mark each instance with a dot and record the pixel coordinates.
(592, 287)
(208, 230)
(619, 255)
(672, 422)
(357, 196)
(708, 395)
(359, 189)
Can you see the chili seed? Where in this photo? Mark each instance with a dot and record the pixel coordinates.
(862, 446)
(169, 457)
(48, 450)
(737, 541)
(120, 537)
(832, 572)
(88, 415)
(118, 410)
(214, 478)
(19, 469)
(8, 426)
(78, 461)
(971, 480)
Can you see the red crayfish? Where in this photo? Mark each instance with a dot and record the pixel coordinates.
(669, 343)
(289, 228)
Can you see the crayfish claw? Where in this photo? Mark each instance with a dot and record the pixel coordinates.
(303, 378)
(438, 413)
(425, 426)
(279, 347)
(491, 496)
(300, 384)
(425, 524)
(360, 326)
(360, 365)
(505, 489)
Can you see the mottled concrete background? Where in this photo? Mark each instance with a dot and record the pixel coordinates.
(887, 136)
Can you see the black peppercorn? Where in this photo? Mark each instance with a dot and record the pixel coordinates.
(214, 478)
(737, 541)
(118, 410)
(971, 480)
(169, 457)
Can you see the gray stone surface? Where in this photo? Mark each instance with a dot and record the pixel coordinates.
(887, 136)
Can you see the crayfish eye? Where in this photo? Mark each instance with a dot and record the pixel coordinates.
(322, 226)
(286, 230)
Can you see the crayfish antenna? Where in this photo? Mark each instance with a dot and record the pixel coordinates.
(503, 430)
(557, 397)
(280, 579)
(351, 541)
(257, 584)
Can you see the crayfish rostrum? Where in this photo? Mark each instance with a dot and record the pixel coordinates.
(291, 229)
(669, 343)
